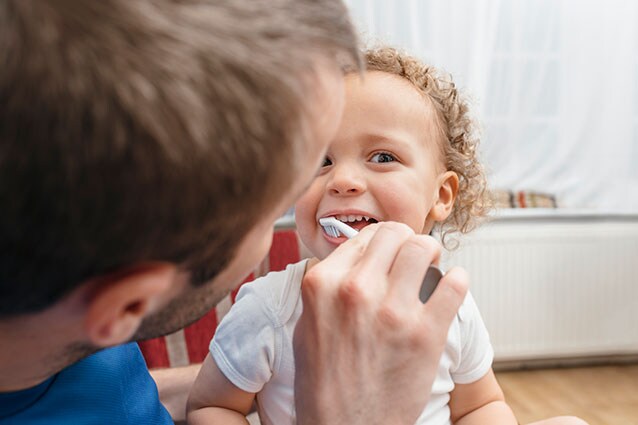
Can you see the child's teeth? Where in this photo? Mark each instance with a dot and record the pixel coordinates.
(351, 218)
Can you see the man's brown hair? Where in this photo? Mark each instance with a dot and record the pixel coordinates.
(147, 130)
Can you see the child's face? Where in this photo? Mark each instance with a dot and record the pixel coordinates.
(384, 163)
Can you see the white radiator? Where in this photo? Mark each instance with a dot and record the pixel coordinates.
(555, 285)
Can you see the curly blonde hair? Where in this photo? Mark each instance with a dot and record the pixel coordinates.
(458, 130)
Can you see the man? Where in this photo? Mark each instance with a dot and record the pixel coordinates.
(146, 148)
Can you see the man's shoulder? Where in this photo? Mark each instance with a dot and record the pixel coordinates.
(110, 386)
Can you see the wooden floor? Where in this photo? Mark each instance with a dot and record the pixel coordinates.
(604, 395)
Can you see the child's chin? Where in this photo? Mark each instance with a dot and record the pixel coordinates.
(325, 251)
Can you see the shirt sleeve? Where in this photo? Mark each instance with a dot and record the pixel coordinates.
(477, 353)
(244, 342)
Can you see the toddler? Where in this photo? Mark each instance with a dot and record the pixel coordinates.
(405, 152)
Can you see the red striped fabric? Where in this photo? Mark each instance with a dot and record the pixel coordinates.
(198, 336)
(284, 250)
(194, 339)
(155, 354)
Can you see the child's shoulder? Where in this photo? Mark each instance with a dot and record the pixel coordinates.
(279, 290)
(469, 310)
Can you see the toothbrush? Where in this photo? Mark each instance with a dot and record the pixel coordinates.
(335, 228)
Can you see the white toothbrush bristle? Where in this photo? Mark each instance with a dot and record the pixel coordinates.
(335, 228)
(332, 231)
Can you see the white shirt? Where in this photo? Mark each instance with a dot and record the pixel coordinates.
(252, 347)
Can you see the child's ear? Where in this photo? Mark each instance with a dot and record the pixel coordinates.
(448, 184)
(120, 301)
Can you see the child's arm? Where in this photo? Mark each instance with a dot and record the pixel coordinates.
(215, 400)
(481, 402)
(173, 385)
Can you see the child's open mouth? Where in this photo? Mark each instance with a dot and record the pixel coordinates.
(355, 221)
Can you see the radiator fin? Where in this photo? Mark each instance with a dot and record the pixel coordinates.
(555, 289)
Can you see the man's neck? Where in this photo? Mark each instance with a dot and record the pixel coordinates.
(33, 349)
(22, 364)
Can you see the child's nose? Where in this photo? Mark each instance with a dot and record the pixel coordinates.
(346, 181)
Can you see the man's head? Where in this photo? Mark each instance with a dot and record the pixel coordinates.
(146, 141)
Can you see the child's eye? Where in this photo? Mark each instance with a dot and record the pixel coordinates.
(326, 162)
(382, 157)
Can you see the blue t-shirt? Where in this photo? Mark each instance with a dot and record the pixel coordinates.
(111, 387)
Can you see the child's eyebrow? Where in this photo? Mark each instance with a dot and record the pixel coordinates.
(392, 139)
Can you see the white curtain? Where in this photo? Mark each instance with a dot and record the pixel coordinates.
(554, 83)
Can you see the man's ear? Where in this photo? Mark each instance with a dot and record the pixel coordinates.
(120, 301)
(448, 184)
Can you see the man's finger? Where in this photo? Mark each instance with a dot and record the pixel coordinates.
(350, 252)
(409, 268)
(383, 248)
(446, 300)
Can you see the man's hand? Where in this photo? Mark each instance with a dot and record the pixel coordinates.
(366, 348)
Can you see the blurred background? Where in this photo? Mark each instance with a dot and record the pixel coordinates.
(554, 83)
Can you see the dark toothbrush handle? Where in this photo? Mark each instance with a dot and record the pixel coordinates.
(431, 279)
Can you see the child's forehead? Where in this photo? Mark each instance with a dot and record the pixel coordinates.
(388, 89)
(381, 100)
(375, 79)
